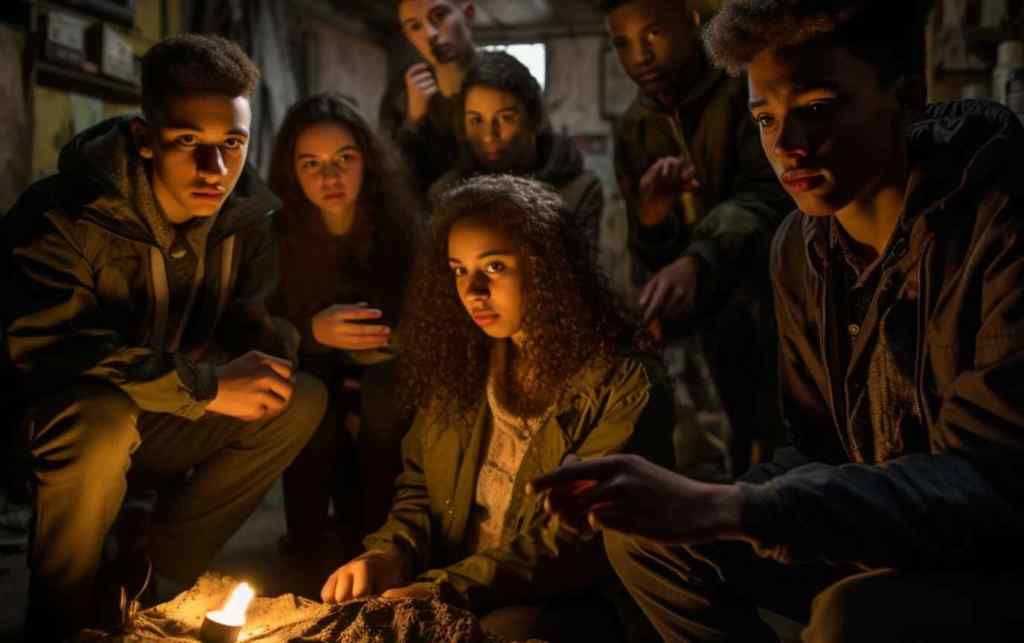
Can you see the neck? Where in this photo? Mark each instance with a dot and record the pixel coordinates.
(450, 76)
(871, 218)
(338, 224)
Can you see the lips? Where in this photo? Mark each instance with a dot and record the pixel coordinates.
(333, 196)
(208, 195)
(485, 317)
(797, 181)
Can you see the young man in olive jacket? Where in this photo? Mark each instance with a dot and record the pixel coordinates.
(702, 205)
(899, 284)
(138, 278)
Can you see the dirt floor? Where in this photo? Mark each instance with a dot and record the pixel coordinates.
(252, 555)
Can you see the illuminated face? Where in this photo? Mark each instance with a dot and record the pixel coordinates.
(655, 40)
(499, 131)
(198, 148)
(439, 29)
(488, 277)
(329, 165)
(829, 128)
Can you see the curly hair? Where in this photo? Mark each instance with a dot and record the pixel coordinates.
(192, 63)
(387, 207)
(889, 36)
(571, 316)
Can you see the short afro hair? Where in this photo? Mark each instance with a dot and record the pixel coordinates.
(887, 35)
(501, 70)
(607, 6)
(193, 63)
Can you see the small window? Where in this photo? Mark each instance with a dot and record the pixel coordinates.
(532, 54)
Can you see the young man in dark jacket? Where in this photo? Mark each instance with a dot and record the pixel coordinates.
(702, 205)
(899, 292)
(421, 115)
(138, 279)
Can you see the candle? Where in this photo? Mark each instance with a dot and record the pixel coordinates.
(223, 625)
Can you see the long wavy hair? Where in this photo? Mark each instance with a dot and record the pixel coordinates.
(387, 221)
(571, 319)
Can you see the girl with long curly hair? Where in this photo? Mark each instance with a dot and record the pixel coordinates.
(345, 238)
(516, 357)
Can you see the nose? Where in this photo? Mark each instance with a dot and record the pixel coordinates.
(792, 139)
(642, 55)
(494, 131)
(331, 171)
(478, 287)
(210, 162)
(432, 32)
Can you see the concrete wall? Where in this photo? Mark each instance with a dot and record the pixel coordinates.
(344, 57)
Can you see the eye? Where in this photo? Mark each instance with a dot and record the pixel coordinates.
(510, 118)
(620, 43)
(655, 33)
(820, 109)
(186, 140)
(348, 157)
(234, 144)
(494, 268)
(763, 121)
(459, 271)
(310, 164)
(413, 27)
(473, 120)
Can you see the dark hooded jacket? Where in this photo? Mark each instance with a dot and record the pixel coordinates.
(97, 288)
(944, 492)
(560, 165)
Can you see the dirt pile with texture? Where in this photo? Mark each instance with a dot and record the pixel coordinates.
(296, 619)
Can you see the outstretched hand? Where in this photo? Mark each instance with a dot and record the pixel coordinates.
(672, 292)
(634, 496)
(344, 326)
(662, 185)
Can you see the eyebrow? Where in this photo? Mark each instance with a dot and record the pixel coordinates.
(801, 89)
(484, 255)
(237, 131)
(343, 148)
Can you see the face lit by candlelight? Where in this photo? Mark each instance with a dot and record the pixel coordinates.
(488, 277)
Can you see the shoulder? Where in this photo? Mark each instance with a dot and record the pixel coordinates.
(624, 376)
(789, 245)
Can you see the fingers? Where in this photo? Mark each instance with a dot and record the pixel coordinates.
(282, 367)
(598, 469)
(655, 301)
(279, 390)
(357, 312)
(329, 591)
(361, 585)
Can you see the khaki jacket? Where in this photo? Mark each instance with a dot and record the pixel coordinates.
(624, 407)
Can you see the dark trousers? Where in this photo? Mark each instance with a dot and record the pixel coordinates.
(711, 593)
(359, 476)
(585, 617)
(83, 442)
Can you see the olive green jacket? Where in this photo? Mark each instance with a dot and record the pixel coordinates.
(624, 406)
(86, 284)
(729, 221)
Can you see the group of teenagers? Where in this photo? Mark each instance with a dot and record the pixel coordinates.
(173, 323)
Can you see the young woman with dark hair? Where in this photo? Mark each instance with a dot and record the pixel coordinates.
(345, 239)
(516, 356)
(503, 126)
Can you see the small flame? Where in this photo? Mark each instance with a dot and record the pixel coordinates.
(233, 613)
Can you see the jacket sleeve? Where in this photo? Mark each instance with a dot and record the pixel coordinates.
(407, 531)
(588, 214)
(246, 323)
(956, 508)
(58, 333)
(540, 561)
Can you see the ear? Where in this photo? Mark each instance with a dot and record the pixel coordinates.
(140, 134)
(469, 11)
(696, 18)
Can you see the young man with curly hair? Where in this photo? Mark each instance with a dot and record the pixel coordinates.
(702, 206)
(136, 313)
(899, 292)
(421, 115)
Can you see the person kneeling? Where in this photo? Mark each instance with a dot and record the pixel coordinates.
(517, 356)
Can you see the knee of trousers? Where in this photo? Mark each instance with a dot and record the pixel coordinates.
(306, 408)
(848, 611)
(87, 432)
(625, 553)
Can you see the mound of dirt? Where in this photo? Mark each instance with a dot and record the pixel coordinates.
(295, 619)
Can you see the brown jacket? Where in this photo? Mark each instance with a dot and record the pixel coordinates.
(955, 502)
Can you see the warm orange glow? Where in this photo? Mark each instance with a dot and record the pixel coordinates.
(233, 613)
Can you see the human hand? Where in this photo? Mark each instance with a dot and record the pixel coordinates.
(420, 591)
(253, 386)
(338, 327)
(634, 496)
(662, 185)
(420, 85)
(672, 293)
(371, 573)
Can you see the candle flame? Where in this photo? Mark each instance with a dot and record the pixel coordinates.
(233, 613)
